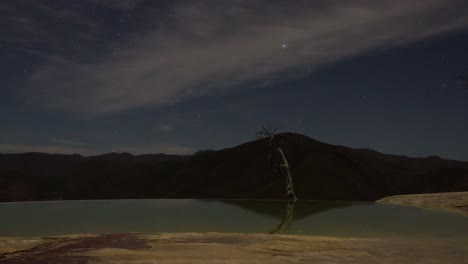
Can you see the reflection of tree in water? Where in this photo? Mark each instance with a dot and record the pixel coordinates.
(287, 218)
(287, 211)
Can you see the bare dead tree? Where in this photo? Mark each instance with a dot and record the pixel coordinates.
(277, 144)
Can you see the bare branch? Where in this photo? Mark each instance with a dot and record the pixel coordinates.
(267, 132)
(463, 79)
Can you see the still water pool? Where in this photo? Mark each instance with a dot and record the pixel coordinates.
(355, 219)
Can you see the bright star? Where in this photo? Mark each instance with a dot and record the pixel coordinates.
(284, 45)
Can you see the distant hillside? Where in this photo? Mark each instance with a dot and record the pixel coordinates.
(321, 171)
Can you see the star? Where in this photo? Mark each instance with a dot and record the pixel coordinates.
(284, 45)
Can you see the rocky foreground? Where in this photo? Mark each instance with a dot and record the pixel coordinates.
(170, 248)
(451, 201)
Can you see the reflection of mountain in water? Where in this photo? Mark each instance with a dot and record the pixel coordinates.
(302, 209)
(287, 211)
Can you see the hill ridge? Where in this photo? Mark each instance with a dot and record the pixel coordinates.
(320, 171)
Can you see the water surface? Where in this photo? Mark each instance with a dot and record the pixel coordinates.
(355, 219)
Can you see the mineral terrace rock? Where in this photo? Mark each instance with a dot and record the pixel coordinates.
(450, 201)
(193, 248)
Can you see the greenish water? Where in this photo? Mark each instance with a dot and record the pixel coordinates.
(353, 219)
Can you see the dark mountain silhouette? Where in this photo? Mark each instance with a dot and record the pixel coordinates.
(320, 170)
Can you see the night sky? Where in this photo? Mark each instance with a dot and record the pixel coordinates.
(90, 76)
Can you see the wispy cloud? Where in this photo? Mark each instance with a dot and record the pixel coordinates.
(51, 149)
(207, 47)
(164, 127)
(67, 142)
(158, 148)
(76, 149)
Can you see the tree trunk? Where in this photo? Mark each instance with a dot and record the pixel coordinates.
(288, 177)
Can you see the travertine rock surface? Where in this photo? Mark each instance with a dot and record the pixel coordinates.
(451, 201)
(193, 248)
